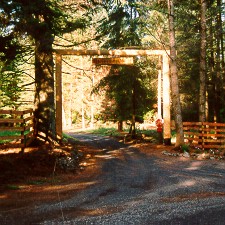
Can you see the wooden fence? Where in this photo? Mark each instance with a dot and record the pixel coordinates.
(16, 128)
(205, 135)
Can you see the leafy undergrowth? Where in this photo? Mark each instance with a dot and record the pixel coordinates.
(38, 165)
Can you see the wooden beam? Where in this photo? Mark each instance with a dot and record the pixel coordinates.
(117, 52)
(113, 61)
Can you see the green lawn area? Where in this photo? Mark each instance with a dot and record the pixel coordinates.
(10, 133)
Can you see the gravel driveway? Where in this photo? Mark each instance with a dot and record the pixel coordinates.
(133, 187)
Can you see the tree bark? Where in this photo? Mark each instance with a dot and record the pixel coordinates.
(133, 118)
(202, 72)
(219, 95)
(44, 93)
(211, 64)
(175, 95)
(120, 125)
(223, 62)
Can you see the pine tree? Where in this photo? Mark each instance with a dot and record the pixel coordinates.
(41, 21)
(122, 29)
(202, 75)
(174, 78)
(128, 95)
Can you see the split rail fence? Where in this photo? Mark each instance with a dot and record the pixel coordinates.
(205, 135)
(16, 128)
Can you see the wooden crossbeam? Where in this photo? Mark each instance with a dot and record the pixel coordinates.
(116, 52)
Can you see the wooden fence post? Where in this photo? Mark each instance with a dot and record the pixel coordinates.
(22, 134)
(203, 138)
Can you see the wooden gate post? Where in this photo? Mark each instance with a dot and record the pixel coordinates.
(159, 88)
(166, 100)
(58, 78)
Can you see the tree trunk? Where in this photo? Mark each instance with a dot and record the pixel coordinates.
(132, 127)
(223, 62)
(92, 103)
(44, 92)
(120, 125)
(202, 72)
(219, 77)
(175, 95)
(64, 123)
(211, 64)
(82, 113)
(133, 120)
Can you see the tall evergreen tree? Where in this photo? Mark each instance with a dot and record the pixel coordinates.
(128, 94)
(174, 78)
(41, 21)
(202, 75)
(10, 85)
(122, 29)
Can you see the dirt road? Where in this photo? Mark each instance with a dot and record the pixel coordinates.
(134, 186)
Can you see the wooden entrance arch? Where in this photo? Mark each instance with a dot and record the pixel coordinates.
(121, 53)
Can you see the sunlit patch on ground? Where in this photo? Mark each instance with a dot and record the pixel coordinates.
(125, 168)
(193, 196)
(195, 165)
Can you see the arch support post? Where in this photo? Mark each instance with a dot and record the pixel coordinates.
(58, 79)
(166, 101)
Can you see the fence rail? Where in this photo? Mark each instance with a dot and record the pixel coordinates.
(205, 135)
(16, 128)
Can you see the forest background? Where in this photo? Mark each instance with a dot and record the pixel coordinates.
(31, 30)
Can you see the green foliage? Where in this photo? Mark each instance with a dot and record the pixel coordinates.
(39, 21)
(39, 17)
(67, 138)
(14, 187)
(37, 182)
(188, 49)
(119, 24)
(120, 27)
(150, 116)
(10, 133)
(185, 148)
(10, 85)
(127, 93)
(105, 131)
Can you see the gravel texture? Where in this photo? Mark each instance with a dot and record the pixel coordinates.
(138, 188)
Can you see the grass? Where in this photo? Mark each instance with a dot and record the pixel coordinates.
(10, 133)
(185, 148)
(149, 135)
(36, 182)
(14, 187)
(67, 138)
(105, 131)
(148, 132)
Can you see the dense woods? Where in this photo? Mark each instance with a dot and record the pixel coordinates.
(192, 30)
